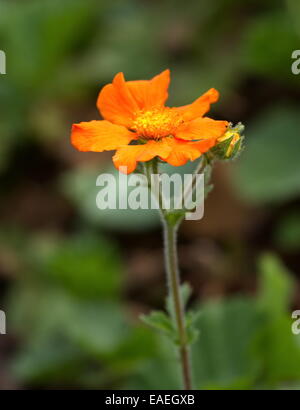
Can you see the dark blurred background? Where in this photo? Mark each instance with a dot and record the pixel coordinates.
(74, 279)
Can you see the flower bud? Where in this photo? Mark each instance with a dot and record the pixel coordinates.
(229, 145)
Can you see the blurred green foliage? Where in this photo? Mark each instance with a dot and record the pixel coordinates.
(244, 342)
(80, 186)
(287, 231)
(269, 41)
(67, 310)
(269, 170)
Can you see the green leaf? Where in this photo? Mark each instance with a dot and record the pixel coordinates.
(161, 371)
(269, 169)
(278, 347)
(48, 361)
(276, 285)
(86, 265)
(40, 36)
(159, 321)
(64, 338)
(222, 355)
(268, 44)
(167, 324)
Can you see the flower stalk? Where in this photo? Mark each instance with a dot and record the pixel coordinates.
(170, 227)
(172, 270)
(171, 220)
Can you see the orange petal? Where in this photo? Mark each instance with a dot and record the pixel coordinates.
(128, 156)
(181, 152)
(199, 107)
(125, 159)
(201, 128)
(116, 103)
(204, 145)
(99, 136)
(150, 93)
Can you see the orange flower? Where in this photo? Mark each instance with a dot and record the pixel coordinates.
(140, 127)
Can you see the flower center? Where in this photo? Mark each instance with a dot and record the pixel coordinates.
(156, 123)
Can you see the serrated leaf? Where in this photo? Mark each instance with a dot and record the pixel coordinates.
(159, 321)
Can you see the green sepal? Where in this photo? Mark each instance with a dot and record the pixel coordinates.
(220, 150)
(237, 149)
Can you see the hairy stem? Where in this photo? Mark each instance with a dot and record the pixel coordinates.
(171, 260)
(172, 270)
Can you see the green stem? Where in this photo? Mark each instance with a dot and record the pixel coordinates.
(171, 260)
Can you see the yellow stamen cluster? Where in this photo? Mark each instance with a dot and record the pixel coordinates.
(157, 123)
